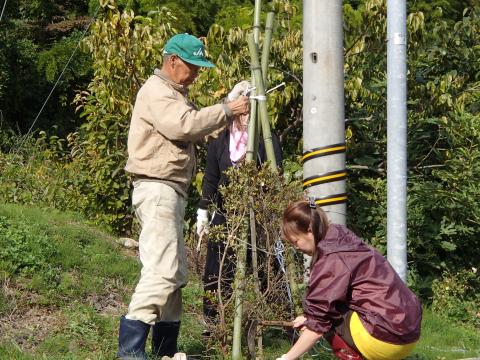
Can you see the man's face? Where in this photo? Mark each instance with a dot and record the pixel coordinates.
(184, 73)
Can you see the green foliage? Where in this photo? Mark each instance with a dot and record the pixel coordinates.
(235, 16)
(443, 133)
(41, 174)
(47, 9)
(57, 256)
(24, 253)
(181, 18)
(205, 11)
(451, 9)
(52, 61)
(31, 32)
(19, 84)
(456, 297)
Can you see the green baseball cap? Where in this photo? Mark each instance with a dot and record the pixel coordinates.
(189, 48)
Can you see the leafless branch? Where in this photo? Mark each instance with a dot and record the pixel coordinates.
(298, 116)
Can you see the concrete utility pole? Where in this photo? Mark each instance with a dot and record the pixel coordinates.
(323, 158)
(397, 136)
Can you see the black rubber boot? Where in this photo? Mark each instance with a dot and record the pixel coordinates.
(132, 338)
(164, 338)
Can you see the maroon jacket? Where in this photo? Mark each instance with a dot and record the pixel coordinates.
(348, 274)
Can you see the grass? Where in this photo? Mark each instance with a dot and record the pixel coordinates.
(64, 284)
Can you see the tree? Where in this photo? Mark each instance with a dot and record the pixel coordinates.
(41, 31)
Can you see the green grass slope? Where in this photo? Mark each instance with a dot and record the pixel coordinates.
(64, 284)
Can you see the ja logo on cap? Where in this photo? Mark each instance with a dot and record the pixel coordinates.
(199, 52)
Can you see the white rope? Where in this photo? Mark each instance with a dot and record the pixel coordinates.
(262, 97)
(276, 87)
(250, 89)
(24, 138)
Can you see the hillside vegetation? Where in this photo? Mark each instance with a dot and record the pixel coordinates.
(69, 75)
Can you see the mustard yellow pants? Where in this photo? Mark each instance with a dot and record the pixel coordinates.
(160, 210)
(372, 348)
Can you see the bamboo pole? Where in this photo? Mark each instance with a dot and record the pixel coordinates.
(242, 252)
(267, 41)
(252, 130)
(291, 275)
(262, 103)
(239, 291)
(256, 20)
(265, 59)
(253, 134)
(264, 64)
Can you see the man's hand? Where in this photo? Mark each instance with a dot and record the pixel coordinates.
(240, 106)
(238, 90)
(202, 221)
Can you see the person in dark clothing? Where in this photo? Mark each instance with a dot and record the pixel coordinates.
(355, 299)
(223, 152)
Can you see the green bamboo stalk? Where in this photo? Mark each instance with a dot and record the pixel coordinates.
(253, 137)
(239, 290)
(291, 271)
(252, 130)
(264, 63)
(267, 42)
(262, 104)
(258, 132)
(253, 134)
(256, 20)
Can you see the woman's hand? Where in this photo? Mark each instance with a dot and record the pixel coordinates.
(299, 322)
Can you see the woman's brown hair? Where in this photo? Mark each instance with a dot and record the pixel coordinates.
(299, 217)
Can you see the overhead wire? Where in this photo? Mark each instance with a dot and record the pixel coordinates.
(3, 9)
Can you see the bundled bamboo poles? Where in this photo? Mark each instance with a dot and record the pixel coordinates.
(258, 106)
(259, 125)
(252, 148)
(262, 103)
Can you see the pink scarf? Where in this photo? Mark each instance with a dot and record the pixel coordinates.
(238, 144)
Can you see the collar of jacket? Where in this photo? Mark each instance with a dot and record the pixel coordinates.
(340, 239)
(169, 81)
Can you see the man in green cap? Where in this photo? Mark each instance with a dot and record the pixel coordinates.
(164, 128)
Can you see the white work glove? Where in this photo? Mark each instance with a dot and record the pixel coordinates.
(282, 357)
(202, 221)
(238, 90)
(180, 356)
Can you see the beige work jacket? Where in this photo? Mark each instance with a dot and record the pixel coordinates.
(164, 127)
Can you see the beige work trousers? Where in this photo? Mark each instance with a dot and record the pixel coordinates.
(158, 295)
